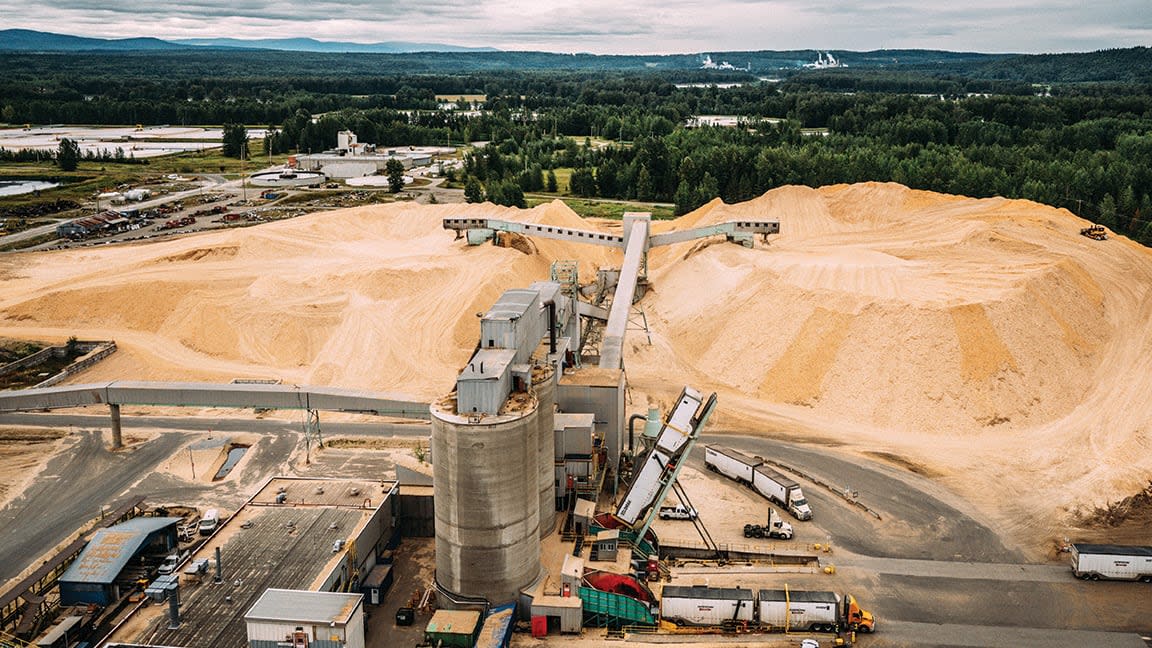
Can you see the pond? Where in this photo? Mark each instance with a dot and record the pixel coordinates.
(235, 453)
(17, 187)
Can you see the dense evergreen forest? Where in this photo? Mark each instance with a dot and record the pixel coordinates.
(1068, 130)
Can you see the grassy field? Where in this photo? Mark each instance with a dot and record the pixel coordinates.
(91, 178)
(592, 208)
(466, 97)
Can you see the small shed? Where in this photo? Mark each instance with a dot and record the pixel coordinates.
(456, 628)
(583, 515)
(571, 574)
(315, 619)
(93, 577)
(604, 547)
(573, 433)
(565, 614)
(62, 634)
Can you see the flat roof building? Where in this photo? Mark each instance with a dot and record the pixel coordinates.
(321, 535)
(303, 618)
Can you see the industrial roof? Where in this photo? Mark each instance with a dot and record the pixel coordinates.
(301, 606)
(701, 592)
(111, 549)
(497, 360)
(513, 304)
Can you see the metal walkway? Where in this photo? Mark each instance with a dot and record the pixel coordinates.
(124, 392)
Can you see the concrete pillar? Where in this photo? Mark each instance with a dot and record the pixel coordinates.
(117, 440)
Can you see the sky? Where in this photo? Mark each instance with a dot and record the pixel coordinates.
(618, 26)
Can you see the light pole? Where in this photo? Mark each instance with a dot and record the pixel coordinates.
(244, 172)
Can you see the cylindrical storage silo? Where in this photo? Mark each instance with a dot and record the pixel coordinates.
(486, 499)
(544, 384)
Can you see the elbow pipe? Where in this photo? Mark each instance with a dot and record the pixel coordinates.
(631, 420)
(552, 327)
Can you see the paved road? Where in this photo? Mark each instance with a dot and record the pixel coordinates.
(71, 490)
(905, 504)
(933, 573)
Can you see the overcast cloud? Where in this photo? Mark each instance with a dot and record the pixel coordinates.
(617, 26)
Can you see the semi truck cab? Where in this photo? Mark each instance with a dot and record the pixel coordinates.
(797, 505)
(777, 527)
(857, 618)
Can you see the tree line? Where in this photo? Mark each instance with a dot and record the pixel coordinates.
(630, 135)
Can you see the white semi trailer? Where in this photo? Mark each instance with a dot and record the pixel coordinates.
(782, 490)
(756, 473)
(730, 463)
(707, 606)
(1112, 562)
(815, 611)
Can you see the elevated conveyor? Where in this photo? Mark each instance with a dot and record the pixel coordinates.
(658, 467)
(179, 394)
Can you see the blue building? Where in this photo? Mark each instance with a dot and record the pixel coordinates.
(95, 576)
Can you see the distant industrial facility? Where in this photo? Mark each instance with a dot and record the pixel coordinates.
(353, 159)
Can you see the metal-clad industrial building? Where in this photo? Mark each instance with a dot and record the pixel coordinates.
(484, 384)
(564, 613)
(324, 619)
(295, 533)
(513, 323)
(92, 578)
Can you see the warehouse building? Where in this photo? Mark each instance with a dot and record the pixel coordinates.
(107, 222)
(302, 618)
(105, 569)
(319, 535)
(354, 159)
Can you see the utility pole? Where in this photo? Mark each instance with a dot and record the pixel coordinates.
(244, 172)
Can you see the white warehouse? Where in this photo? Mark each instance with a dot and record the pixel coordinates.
(353, 159)
(306, 619)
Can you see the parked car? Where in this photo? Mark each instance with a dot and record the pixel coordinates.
(678, 512)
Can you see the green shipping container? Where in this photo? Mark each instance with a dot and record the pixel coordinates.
(456, 628)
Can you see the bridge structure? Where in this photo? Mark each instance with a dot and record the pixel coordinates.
(115, 394)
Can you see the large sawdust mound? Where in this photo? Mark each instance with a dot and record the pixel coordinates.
(375, 298)
(983, 340)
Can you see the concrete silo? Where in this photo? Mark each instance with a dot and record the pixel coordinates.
(487, 499)
(544, 385)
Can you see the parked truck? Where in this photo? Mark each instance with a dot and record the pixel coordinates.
(707, 606)
(776, 528)
(782, 490)
(813, 611)
(730, 463)
(755, 472)
(1112, 562)
(784, 609)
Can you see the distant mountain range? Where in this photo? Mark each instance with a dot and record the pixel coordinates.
(26, 40)
(313, 45)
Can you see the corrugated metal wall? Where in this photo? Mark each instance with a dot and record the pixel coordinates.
(417, 516)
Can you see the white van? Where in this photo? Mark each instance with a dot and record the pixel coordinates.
(209, 522)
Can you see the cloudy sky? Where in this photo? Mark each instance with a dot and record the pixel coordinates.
(618, 26)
